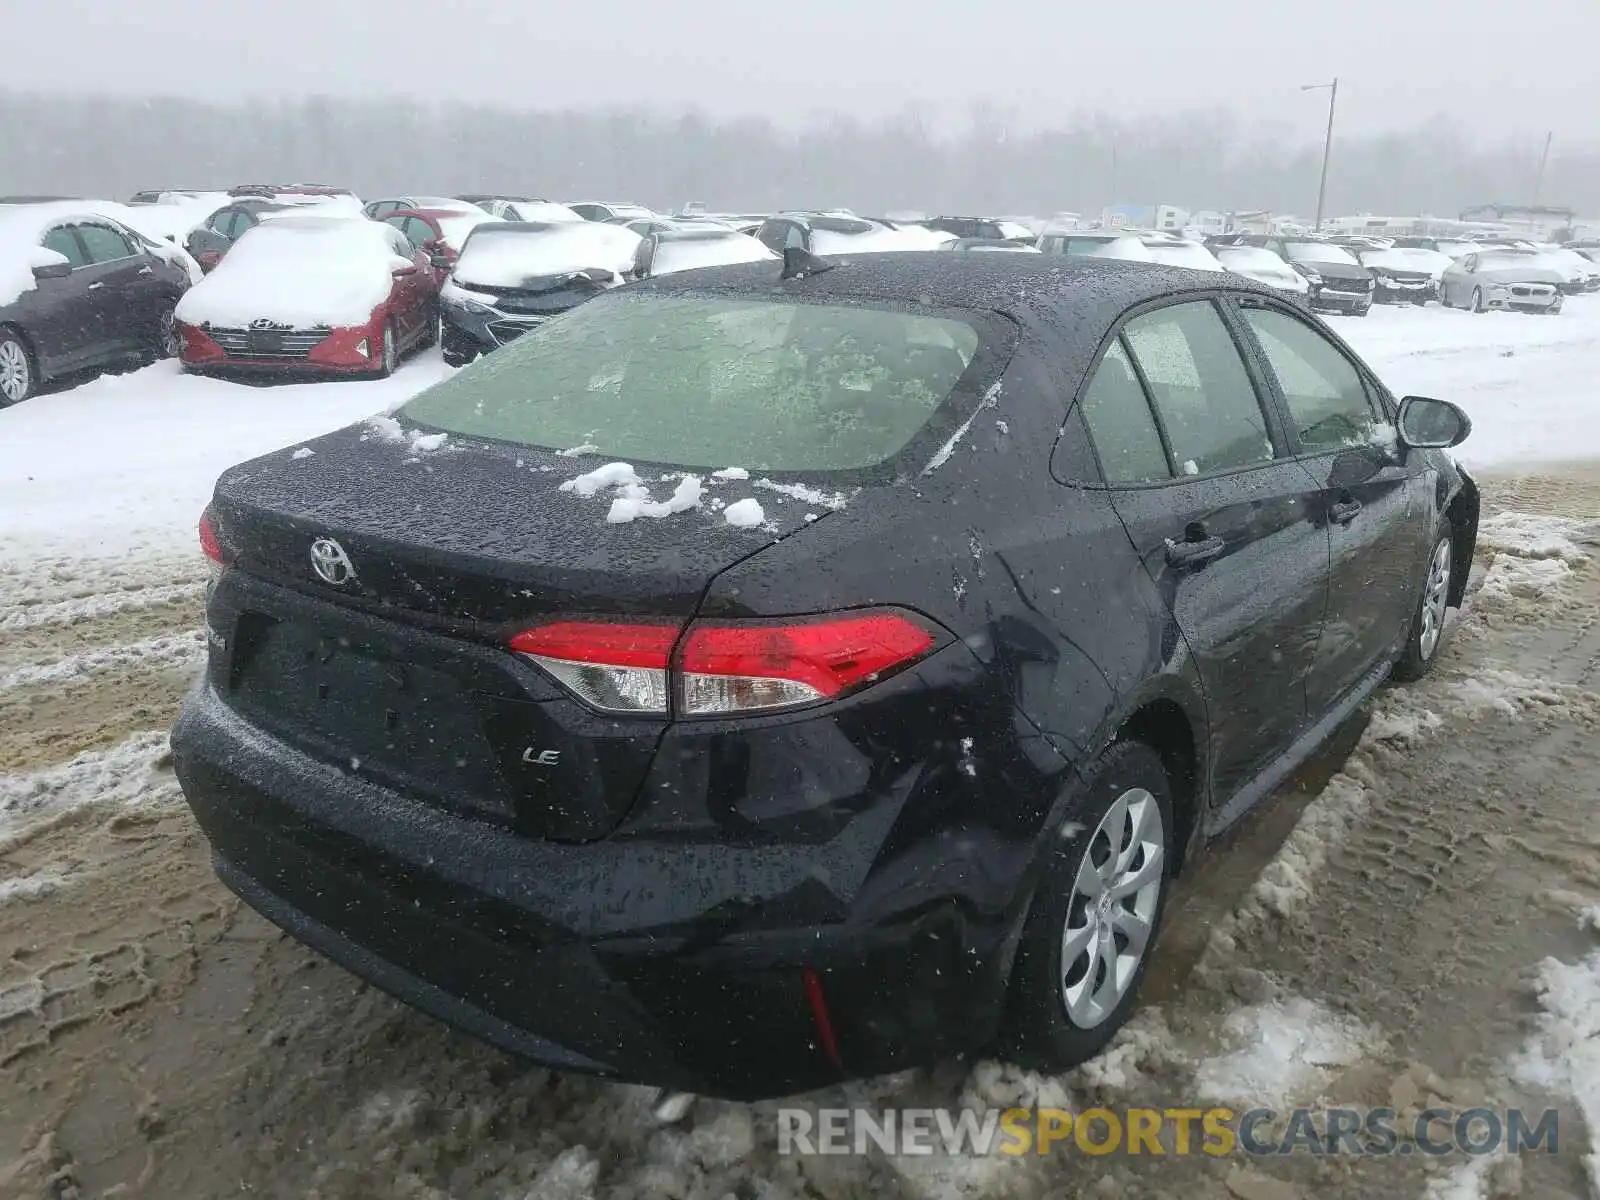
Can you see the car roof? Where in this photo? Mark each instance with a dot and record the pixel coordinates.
(1013, 283)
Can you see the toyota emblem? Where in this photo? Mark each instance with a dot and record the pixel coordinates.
(331, 563)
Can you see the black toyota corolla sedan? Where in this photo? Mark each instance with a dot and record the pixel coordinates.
(767, 681)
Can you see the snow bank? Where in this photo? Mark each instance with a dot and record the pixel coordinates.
(1564, 1054)
(178, 650)
(301, 271)
(137, 494)
(1283, 1052)
(1534, 535)
(123, 774)
(507, 258)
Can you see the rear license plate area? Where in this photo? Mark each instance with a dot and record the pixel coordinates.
(351, 702)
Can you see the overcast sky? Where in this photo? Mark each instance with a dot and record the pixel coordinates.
(1507, 70)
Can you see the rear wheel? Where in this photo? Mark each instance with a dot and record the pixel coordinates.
(1427, 623)
(1477, 300)
(18, 379)
(1095, 915)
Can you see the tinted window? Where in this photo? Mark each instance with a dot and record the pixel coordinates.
(418, 231)
(61, 240)
(707, 381)
(1120, 421)
(1198, 381)
(771, 234)
(104, 244)
(588, 212)
(1324, 391)
(794, 237)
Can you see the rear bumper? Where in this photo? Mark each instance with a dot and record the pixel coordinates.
(578, 956)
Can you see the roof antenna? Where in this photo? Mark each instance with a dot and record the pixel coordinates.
(798, 263)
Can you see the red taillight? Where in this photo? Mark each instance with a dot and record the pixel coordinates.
(612, 665)
(208, 539)
(725, 666)
(736, 667)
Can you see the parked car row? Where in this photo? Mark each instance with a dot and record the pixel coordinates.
(306, 277)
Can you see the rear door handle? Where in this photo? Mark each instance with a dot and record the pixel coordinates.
(1345, 511)
(1187, 555)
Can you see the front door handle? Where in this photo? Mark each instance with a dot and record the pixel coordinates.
(147, 270)
(94, 287)
(1187, 555)
(1345, 511)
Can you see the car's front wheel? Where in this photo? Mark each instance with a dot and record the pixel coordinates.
(18, 379)
(389, 352)
(1427, 622)
(1095, 914)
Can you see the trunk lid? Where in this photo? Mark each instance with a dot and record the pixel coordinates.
(399, 672)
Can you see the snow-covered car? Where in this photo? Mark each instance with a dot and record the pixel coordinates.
(1450, 247)
(1516, 280)
(532, 210)
(1180, 252)
(1339, 283)
(834, 233)
(1405, 274)
(1581, 274)
(313, 294)
(992, 245)
(514, 275)
(620, 211)
(379, 209)
(1265, 267)
(80, 291)
(667, 251)
(987, 228)
(438, 232)
(1089, 243)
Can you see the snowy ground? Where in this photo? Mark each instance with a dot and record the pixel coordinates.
(1413, 917)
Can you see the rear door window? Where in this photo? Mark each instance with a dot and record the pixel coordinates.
(1120, 422)
(1198, 382)
(1327, 398)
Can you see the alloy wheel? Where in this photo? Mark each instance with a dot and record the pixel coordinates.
(1435, 596)
(1112, 913)
(16, 373)
(168, 335)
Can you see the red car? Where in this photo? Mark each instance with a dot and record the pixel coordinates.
(438, 232)
(332, 295)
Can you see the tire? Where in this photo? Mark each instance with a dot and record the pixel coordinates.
(165, 344)
(1477, 300)
(1426, 634)
(390, 352)
(454, 359)
(1060, 1013)
(19, 377)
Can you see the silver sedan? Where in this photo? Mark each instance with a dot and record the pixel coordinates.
(1501, 279)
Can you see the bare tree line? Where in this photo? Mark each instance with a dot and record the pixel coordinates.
(102, 146)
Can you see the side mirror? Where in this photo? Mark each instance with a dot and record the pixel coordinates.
(1431, 424)
(53, 270)
(439, 262)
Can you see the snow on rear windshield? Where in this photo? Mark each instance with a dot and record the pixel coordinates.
(705, 381)
(508, 258)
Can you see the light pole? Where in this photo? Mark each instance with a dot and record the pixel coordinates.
(1327, 145)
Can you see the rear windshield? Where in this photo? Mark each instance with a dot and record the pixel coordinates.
(708, 381)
